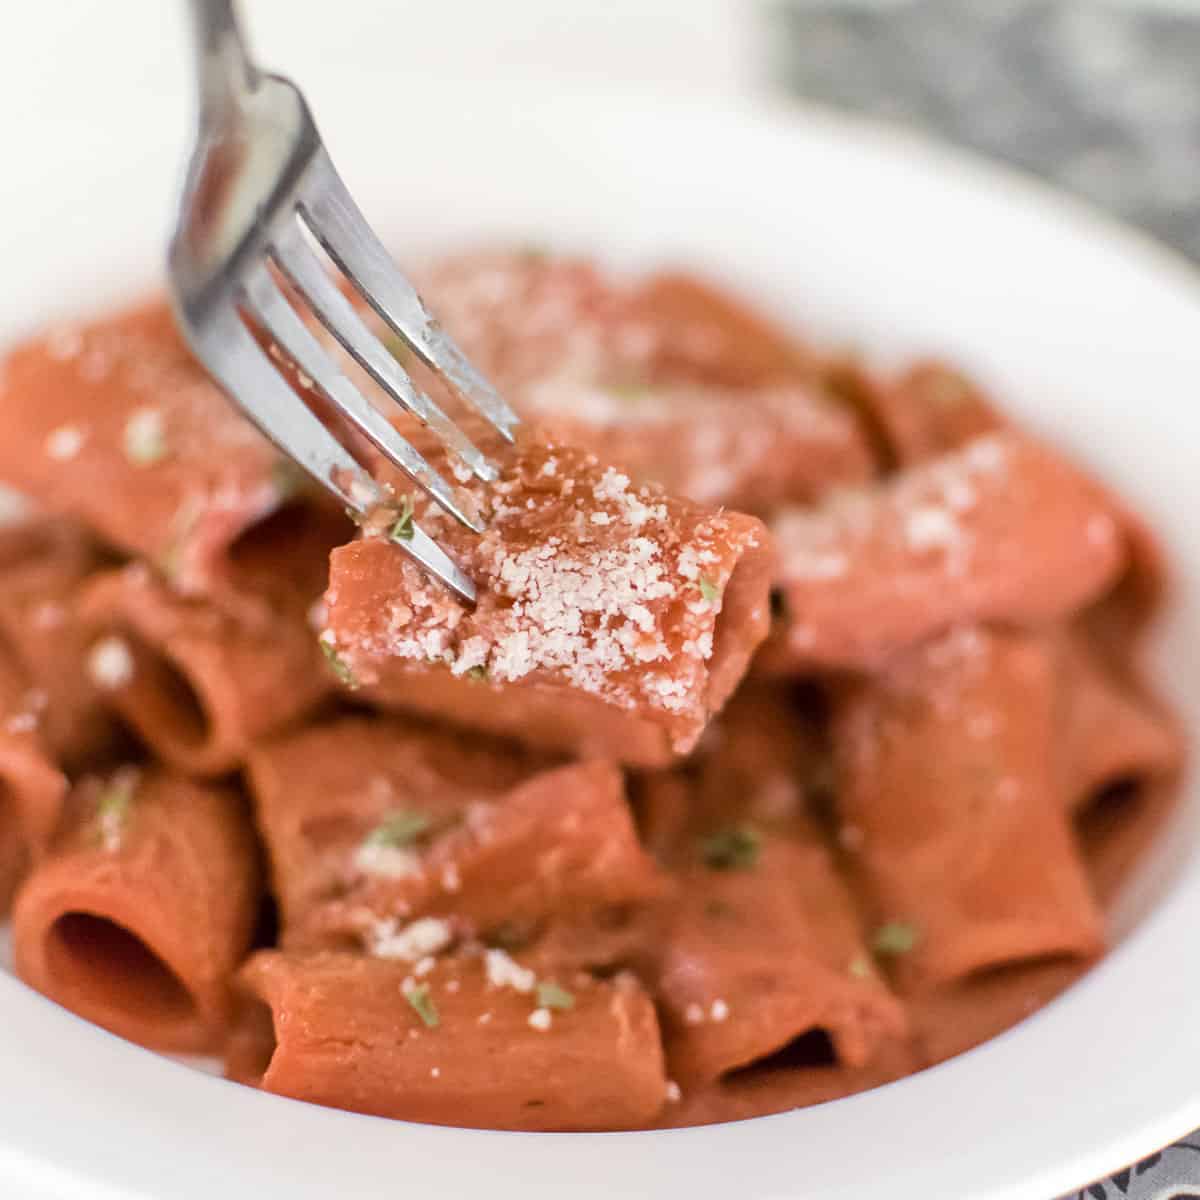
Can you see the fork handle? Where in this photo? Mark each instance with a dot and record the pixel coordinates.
(225, 76)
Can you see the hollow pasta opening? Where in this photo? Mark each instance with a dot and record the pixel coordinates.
(289, 546)
(251, 1044)
(99, 965)
(162, 702)
(998, 974)
(811, 1049)
(1110, 805)
(1118, 823)
(729, 650)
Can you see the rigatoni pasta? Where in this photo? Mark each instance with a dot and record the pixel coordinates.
(31, 785)
(611, 620)
(199, 685)
(671, 380)
(797, 741)
(455, 1046)
(144, 907)
(950, 812)
(761, 952)
(999, 530)
(115, 424)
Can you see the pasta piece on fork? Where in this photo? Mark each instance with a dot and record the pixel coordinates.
(610, 620)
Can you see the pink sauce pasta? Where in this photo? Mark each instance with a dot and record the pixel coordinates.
(798, 740)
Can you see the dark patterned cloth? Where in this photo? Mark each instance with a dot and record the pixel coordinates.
(1103, 99)
(1172, 1174)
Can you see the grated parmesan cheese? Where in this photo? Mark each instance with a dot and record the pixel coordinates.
(504, 971)
(65, 443)
(930, 528)
(110, 663)
(387, 862)
(426, 936)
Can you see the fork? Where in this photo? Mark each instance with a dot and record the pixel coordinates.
(259, 190)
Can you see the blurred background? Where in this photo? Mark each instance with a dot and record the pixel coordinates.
(1101, 96)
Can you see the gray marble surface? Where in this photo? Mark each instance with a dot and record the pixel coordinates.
(1101, 98)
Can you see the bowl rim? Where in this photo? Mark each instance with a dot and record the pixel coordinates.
(325, 1148)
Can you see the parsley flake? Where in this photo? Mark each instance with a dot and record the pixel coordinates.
(735, 849)
(633, 393)
(402, 528)
(399, 829)
(173, 560)
(479, 673)
(709, 589)
(423, 1005)
(113, 806)
(338, 664)
(550, 995)
(895, 937)
(398, 348)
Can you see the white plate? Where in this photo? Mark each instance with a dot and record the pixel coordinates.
(1088, 331)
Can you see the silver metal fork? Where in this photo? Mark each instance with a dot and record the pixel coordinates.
(259, 187)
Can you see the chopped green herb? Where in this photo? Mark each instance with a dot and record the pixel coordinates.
(399, 829)
(398, 348)
(113, 806)
(709, 589)
(423, 1005)
(895, 937)
(860, 967)
(634, 393)
(402, 529)
(477, 673)
(173, 559)
(550, 995)
(335, 660)
(735, 849)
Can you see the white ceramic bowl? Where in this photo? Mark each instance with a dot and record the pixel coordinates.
(1088, 331)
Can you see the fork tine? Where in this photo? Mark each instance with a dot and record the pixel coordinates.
(263, 298)
(248, 376)
(301, 266)
(338, 224)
